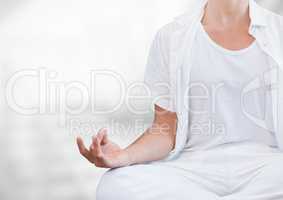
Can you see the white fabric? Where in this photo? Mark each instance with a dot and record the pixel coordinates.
(246, 171)
(218, 76)
(170, 62)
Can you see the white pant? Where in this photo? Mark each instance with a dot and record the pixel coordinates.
(230, 172)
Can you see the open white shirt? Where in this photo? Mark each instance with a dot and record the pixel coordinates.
(170, 64)
(219, 109)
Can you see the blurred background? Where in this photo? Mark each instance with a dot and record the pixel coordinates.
(55, 46)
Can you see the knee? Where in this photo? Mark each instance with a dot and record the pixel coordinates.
(113, 185)
(107, 186)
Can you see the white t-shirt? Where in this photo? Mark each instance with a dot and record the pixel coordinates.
(221, 110)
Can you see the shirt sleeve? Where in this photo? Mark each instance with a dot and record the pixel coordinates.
(157, 77)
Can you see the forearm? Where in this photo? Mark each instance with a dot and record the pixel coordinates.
(155, 144)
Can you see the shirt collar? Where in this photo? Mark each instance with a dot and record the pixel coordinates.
(257, 14)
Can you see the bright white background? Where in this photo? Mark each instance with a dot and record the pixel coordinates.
(38, 156)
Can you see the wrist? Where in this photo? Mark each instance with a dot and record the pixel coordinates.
(128, 158)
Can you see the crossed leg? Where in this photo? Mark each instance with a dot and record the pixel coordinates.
(265, 183)
(149, 182)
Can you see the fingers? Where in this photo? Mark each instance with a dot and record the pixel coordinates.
(95, 153)
(83, 150)
(95, 148)
(102, 134)
(104, 137)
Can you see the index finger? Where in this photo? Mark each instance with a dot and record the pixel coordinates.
(83, 150)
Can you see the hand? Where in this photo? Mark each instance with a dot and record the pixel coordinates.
(104, 153)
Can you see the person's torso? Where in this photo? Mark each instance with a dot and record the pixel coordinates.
(220, 107)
